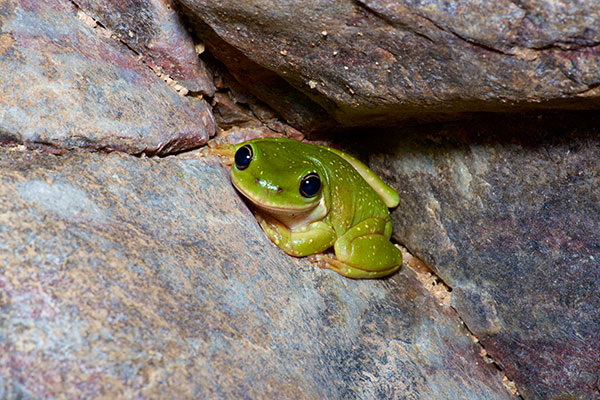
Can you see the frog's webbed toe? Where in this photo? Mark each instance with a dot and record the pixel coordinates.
(331, 262)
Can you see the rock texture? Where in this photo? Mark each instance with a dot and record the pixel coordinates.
(234, 107)
(135, 277)
(142, 278)
(293, 105)
(64, 86)
(507, 212)
(382, 61)
(153, 29)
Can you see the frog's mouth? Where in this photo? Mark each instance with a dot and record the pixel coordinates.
(290, 216)
(269, 208)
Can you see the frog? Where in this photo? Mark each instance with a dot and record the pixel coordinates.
(308, 198)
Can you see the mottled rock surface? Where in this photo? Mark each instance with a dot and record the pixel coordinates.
(293, 105)
(65, 86)
(153, 29)
(127, 277)
(233, 106)
(507, 212)
(383, 61)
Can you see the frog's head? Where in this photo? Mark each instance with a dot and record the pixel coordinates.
(280, 181)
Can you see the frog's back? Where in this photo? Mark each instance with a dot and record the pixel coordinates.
(352, 198)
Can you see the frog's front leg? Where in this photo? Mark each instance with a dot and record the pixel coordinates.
(224, 151)
(313, 238)
(364, 251)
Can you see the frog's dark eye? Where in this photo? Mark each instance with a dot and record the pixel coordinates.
(310, 185)
(243, 157)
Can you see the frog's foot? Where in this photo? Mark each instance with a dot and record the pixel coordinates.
(225, 152)
(332, 263)
(273, 229)
(315, 238)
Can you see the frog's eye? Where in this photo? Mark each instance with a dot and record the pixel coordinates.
(310, 185)
(243, 157)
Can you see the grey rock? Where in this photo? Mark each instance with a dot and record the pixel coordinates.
(154, 30)
(64, 86)
(148, 278)
(507, 212)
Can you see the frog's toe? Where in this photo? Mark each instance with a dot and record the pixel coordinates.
(322, 260)
(331, 262)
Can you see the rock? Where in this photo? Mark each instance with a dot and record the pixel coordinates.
(153, 29)
(64, 86)
(229, 113)
(234, 107)
(294, 106)
(506, 212)
(136, 277)
(380, 62)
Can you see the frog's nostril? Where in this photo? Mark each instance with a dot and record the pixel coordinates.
(257, 181)
(279, 190)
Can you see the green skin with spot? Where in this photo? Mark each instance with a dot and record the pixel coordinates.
(350, 212)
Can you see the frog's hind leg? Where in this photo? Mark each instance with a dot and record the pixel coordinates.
(365, 251)
(332, 263)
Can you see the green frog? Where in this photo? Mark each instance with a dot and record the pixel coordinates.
(308, 198)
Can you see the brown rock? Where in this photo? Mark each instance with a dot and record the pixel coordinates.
(382, 61)
(294, 106)
(229, 113)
